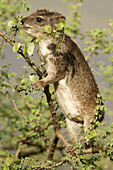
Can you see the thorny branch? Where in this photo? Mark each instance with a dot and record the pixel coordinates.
(18, 150)
(46, 89)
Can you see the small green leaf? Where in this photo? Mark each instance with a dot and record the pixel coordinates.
(91, 134)
(31, 117)
(17, 161)
(98, 95)
(61, 25)
(12, 22)
(32, 78)
(19, 56)
(48, 28)
(24, 50)
(16, 46)
(1, 47)
(8, 161)
(5, 84)
(63, 22)
(6, 167)
(38, 40)
(57, 46)
(30, 49)
(24, 80)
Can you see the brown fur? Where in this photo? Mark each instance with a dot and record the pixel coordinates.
(75, 86)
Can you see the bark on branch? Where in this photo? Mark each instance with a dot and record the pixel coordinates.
(52, 147)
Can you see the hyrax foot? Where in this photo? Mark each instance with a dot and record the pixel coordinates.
(38, 85)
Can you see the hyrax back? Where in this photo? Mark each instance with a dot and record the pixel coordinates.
(75, 86)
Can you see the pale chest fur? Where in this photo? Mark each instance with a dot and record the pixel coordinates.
(43, 51)
(45, 55)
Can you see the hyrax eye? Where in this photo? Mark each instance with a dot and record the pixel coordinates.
(38, 19)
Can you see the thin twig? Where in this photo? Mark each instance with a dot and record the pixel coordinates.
(14, 104)
(58, 164)
(22, 9)
(92, 51)
(16, 88)
(18, 150)
(64, 141)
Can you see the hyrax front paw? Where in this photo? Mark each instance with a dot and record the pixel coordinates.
(38, 85)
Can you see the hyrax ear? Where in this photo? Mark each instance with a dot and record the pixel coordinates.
(63, 18)
(42, 11)
(59, 18)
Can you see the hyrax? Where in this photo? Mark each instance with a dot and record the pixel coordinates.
(75, 86)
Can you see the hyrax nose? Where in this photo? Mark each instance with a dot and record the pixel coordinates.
(23, 21)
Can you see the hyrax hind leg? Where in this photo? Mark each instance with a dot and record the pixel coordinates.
(74, 129)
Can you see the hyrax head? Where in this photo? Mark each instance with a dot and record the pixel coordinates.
(34, 24)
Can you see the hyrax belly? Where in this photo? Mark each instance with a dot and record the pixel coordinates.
(68, 102)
